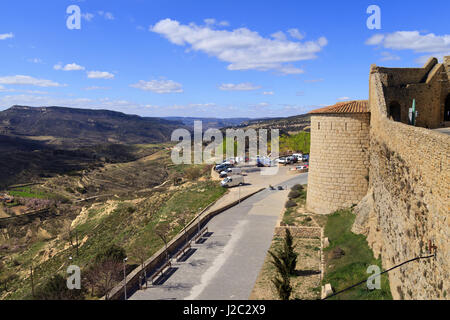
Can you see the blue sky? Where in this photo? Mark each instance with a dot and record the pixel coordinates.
(208, 58)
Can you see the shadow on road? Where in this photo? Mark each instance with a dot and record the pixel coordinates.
(165, 276)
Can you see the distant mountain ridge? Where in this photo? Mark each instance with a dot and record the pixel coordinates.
(85, 126)
(210, 122)
(288, 125)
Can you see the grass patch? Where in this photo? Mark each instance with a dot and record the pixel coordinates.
(290, 214)
(29, 192)
(350, 268)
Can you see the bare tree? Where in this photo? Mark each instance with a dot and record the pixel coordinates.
(162, 230)
(141, 252)
(184, 219)
(108, 275)
(91, 278)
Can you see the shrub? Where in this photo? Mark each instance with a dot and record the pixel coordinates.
(56, 289)
(193, 173)
(294, 194)
(290, 204)
(111, 253)
(297, 187)
(284, 261)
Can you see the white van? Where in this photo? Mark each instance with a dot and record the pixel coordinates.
(234, 171)
(232, 181)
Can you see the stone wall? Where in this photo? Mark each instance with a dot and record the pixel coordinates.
(409, 183)
(427, 85)
(338, 173)
(300, 232)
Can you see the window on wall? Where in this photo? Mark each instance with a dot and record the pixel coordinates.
(447, 108)
(394, 111)
(346, 126)
(318, 125)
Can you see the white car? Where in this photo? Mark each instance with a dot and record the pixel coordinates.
(282, 160)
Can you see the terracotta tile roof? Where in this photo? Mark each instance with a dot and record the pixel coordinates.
(357, 106)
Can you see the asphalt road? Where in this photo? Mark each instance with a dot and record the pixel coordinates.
(226, 265)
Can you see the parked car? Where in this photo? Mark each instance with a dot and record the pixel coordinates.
(291, 159)
(232, 181)
(223, 174)
(222, 166)
(303, 167)
(282, 160)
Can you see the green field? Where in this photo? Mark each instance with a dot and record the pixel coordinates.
(350, 268)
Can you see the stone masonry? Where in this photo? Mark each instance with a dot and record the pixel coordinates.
(338, 175)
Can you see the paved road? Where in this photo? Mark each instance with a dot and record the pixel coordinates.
(443, 130)
(227, 264)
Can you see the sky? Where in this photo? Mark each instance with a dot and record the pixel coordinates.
(221, 58)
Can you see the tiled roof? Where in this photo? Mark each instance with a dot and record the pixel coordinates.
(357, 106)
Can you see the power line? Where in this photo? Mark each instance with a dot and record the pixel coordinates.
(361, 282)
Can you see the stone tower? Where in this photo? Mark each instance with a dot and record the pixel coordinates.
(339, 158)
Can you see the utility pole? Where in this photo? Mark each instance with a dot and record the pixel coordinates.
(125, 278)
(32, 282)
(76, 239)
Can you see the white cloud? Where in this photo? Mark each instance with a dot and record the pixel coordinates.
(3, 89)
(87, 16)
(238, 87)
(210, 21)
(344, 98)
(387, 56)
(68, 67)
(100, 75)
(413, 40)
(375, 39)
(242, 48)
(268, 93)
(106, 15)
(159, 86)
(35, 60)
(294, 33)
(4, 36)
(279, 35)
(96, 88)
(27, 80)
(313, 80)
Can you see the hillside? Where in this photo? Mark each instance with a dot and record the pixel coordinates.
(207, 123)
(289, 125)
(68, 127)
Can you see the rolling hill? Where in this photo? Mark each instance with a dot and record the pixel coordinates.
(69, 127)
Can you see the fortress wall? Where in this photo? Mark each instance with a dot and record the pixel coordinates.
(338, 173)
(395, 77)
(410, 183)
(404, 85)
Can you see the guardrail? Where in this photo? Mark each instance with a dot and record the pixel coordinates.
(158, 260)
